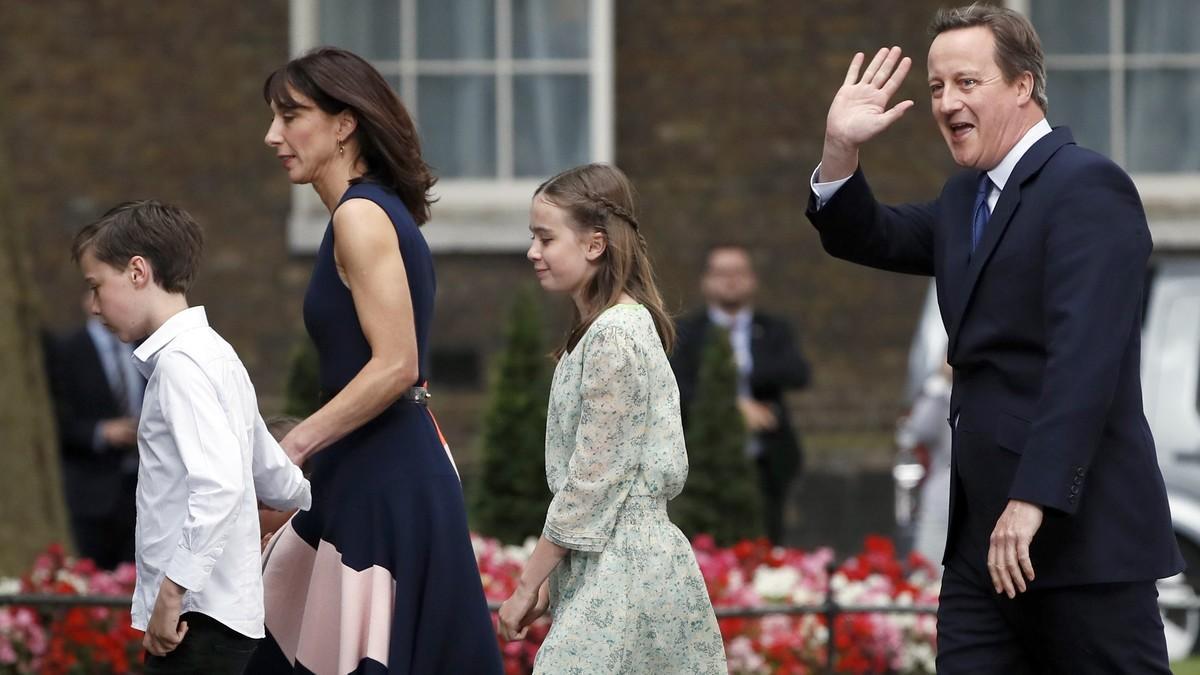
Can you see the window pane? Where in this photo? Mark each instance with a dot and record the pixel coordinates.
(456, 29)
(552, 126)
(550, 29)
(1080, 99)
(1162, 26)
(369, 28)
(1066, 27)
(457, 116)
(1163, 127)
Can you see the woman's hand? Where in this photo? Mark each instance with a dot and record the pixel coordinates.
(294, 447)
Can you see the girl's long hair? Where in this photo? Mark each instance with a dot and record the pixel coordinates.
(338, 80)
(599, 198)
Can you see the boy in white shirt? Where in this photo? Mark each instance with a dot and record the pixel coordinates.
(205, 455)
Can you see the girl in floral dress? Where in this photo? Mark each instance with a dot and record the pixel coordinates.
(619, 579)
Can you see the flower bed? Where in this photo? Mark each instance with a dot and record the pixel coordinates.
(751, 574)
(68, 640)
(754, 574)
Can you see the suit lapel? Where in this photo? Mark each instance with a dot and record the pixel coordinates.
(952, 278)
(758, 332)
(1028, 166)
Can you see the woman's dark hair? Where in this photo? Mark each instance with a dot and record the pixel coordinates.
(337, 80)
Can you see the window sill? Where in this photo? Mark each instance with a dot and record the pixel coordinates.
(469, 217)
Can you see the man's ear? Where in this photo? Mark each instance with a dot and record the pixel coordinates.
(597, 244)
(1024, 87)
(139, 271)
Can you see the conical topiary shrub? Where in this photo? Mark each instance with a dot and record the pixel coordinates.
(302, 391)
(721, 496)
(509, 497)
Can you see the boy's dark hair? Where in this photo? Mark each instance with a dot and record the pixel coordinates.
(165, 235)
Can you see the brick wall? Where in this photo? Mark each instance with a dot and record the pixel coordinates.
(109, 100)
(721, 118)
(720, 112)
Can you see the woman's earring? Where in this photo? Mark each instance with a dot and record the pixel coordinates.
(341, 147)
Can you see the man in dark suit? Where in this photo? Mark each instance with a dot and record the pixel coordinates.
(1059, 522)
(97, 395)
(769, 362)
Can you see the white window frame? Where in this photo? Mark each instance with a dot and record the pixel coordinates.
(471, 215)
(1170, 189)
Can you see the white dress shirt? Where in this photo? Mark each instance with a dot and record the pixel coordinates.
(999, 174)
(205, 459)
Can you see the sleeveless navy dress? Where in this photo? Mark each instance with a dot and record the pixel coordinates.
(379, 576)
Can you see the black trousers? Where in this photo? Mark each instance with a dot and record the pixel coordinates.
(209, 648)
(1098, 628)
(774, 493)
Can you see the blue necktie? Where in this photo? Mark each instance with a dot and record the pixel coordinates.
(981, 211)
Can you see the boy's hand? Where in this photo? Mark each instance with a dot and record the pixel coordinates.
(165, 631)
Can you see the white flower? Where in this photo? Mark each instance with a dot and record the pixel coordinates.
(10, 586)
(74, 581)
(775, 583)
(838, 582)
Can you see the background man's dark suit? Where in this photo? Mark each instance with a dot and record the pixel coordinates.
(778, 365)
(1044, 324)
(99, 483)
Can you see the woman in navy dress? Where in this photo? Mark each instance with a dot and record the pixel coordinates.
(380, 576)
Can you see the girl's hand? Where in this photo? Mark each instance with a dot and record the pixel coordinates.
(543, 603)
(513, 613)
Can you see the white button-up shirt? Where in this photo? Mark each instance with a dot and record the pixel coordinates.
(205, 457)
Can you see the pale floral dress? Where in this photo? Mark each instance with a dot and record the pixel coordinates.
(628, 598)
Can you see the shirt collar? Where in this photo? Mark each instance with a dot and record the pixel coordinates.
(146, 356)
(734, 321)
(1004, 169)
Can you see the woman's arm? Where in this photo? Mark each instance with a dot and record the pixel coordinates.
(367, 251)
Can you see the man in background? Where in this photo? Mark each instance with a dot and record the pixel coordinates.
(769, 362)
(97, 395)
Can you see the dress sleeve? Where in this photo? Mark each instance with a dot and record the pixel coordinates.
(608, 444)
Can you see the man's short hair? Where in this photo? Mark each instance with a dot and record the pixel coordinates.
(1018, 48)
(728, 246)
(165, 235)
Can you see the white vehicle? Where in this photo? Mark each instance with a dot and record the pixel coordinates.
(1171, 398)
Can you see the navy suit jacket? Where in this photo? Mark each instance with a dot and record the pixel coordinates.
(778, 364)
(93, 481)
(1044, 321)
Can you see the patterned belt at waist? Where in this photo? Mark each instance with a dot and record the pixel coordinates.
(644, 503)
